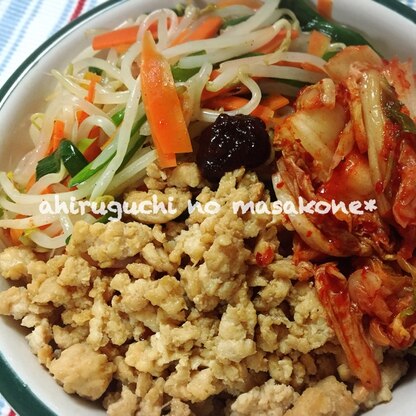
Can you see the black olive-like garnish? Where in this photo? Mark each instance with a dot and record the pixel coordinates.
(232, 142)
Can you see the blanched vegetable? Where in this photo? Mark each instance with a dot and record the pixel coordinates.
(72, 158)
(92, 168)
(162, 105)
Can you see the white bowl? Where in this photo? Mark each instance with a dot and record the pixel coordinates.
(31, 390)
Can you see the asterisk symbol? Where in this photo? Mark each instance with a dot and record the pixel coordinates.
(370, 205)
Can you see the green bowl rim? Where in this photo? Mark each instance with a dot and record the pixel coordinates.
(18, 394)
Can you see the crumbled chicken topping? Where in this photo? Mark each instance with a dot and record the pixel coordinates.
(82, 370)
(180, 318)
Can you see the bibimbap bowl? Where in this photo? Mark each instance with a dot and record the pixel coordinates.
(387, 24)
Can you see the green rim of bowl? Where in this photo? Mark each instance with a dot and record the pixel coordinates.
(399, 8)
(19, 395)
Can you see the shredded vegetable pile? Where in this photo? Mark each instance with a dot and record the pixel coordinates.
(142, 92)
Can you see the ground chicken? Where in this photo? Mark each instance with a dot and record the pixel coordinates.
(328, 398)
(14, 302)
(191, 385)
(186, 318)
(236, 331)
(39, 340)
(68, 335)
(178, 408)
(157, 258)
(169, 204)
(14, 262)
(126, 405)
(270, 399)
(106, 243)
(152, 402)
(185, 175)
(83, 371)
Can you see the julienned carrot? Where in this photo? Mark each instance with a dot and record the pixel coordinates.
(121, 38)
(275, 102)
(16, 234)
(94, 79)
(302, 65)
(274, 44)
(181, 38)
(31, 182)
(310, 67)
(324, 8)
(253, 4)
(208, 28)
(81, 116)
(231, 90)
(166, 160)
(127, 35)
(234, 103)
(318, 43)
(57, 136)
(161, 102)
(237, 89)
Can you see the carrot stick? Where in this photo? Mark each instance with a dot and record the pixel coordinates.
(181, 38)
(231, 90)
(234, 103)
(31, 182)
(302, 65)
(166, 160)
(324, 8)
(81, 116)
(207, 29)
(275, 102)
(94, 79)
(310, 67)
(57, 136)
(127, 35)
(253, 4)
(274, 44)
(318, 43)
(161, 102)
(122, 38)
(226, 91)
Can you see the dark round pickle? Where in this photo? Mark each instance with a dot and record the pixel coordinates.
(230, 143)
